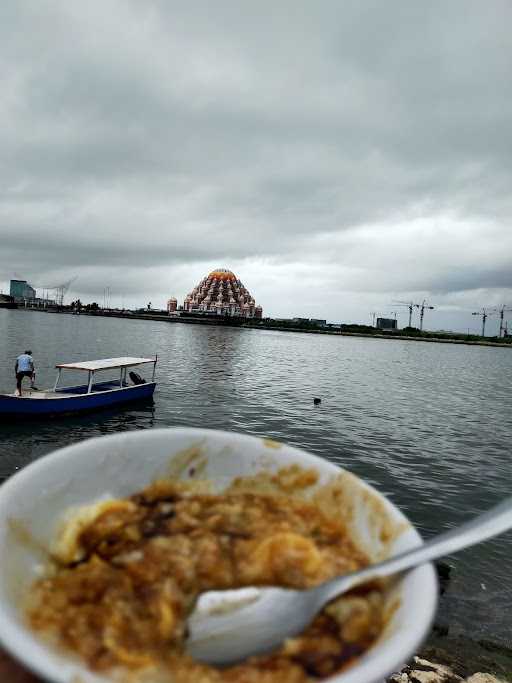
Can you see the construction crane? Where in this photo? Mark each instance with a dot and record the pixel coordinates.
(410, 305)
(503, 326)
(484, 313)
(422, 308)
(60, 290)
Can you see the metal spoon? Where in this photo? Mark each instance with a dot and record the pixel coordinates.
(228, 626)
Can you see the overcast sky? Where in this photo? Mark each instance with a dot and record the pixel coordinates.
(335, 155)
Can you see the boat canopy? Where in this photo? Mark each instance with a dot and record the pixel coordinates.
(106, 364)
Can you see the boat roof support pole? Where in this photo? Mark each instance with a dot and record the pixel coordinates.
(154, 369)
(121, 377)
(57, 379)
(89, 386)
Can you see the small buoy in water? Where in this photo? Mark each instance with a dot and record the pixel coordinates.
(317, 401)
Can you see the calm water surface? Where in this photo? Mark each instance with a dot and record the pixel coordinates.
(429, 425)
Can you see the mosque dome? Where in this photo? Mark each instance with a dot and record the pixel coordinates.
(222, 274)
(221, 292)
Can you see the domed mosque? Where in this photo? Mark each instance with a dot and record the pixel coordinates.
(222, 293)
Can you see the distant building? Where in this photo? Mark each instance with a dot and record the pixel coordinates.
(222, 293)
(317, 321)
(20, 290)
(386, 324)
(172, 305)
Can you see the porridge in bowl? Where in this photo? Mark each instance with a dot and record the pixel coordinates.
(126, 574)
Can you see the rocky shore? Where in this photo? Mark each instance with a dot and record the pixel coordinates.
(447, 658)
(421, 670)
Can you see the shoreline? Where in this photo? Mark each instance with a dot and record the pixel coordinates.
(466, 657)
(263, 326)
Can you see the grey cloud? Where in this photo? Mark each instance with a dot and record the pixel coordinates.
(167, 136)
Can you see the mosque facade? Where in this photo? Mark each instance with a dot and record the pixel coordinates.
(222, 293)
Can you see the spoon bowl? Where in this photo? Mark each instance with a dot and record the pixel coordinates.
(256, 624)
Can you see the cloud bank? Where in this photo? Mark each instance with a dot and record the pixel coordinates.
(336, 156)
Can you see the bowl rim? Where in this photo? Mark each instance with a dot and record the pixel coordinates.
(375, 667)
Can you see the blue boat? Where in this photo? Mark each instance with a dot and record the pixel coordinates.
(83, 397)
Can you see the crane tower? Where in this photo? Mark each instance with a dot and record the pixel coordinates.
(424, 306)
(503, 325)
(484, 313)
(60, 291)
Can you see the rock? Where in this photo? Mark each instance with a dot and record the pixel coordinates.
(483, 678)
(425, 664)
(399, 678)
(423, 671)
(418, 676)
(442, 670)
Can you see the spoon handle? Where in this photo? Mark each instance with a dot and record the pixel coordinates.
(491, 523)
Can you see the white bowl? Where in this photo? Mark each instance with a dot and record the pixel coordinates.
(33, 501)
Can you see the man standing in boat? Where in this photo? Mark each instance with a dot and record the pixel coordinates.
(24, 368)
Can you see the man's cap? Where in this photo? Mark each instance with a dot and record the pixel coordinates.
(29, 352)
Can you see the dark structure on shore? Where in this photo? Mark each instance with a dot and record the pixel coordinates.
(386, 324)
(7, 301)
